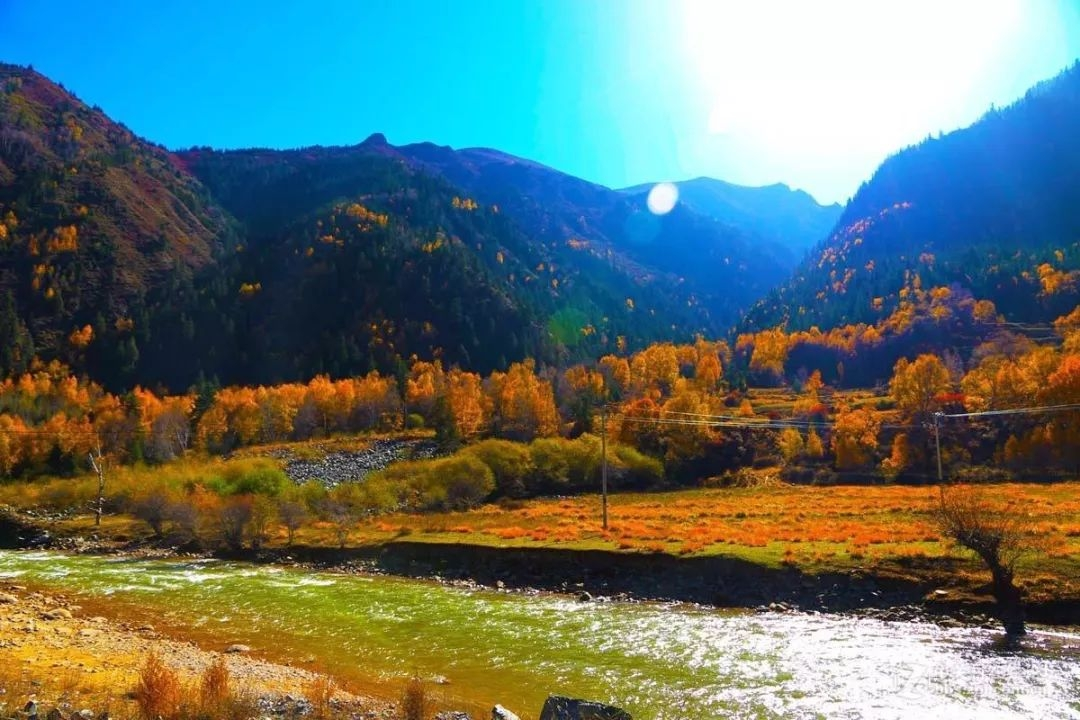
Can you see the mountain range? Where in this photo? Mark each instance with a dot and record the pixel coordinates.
(137, 265)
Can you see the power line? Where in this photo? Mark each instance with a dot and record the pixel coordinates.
(1016, 411)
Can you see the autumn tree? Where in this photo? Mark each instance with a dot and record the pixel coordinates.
(791, 445)
(916, 385)
(854, 438)
(899, 457)
(424, 386)
(657, 367)
(523, 404)
(468, 406)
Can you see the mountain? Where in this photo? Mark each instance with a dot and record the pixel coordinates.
(791, 218)
(475, 256)
(483, 258)
(97, 226)
(992, 209)
(721, 267)
(135, 265)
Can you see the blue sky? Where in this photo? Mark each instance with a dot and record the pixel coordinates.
(620, 92)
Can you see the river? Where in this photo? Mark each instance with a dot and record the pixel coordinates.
(657, 661)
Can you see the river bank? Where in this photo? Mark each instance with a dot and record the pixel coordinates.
(55, 651)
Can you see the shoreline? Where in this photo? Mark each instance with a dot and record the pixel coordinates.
(58, 654)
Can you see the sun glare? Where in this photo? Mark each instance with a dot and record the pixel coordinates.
(662, 198)
(785, 75)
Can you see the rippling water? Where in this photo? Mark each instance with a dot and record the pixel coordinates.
(656, 661)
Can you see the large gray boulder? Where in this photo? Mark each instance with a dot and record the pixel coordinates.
(564, 708)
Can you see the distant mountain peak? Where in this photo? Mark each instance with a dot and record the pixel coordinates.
(792, 218)
(375, 139)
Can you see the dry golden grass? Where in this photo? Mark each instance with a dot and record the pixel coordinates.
(773, 524)
(320, 692)
(158, 692)
(415, 704)
(214, 689)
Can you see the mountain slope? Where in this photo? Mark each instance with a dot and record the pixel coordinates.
(791, 218)
(993, 208)
(715, 266)
(93, 222)
(437, 273)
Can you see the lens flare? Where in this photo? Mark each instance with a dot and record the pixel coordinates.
(662, 198)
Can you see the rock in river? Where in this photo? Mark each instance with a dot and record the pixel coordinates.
(564, 708)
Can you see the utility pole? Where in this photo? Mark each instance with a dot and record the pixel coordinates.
(937, 443)
(603, 462)
(99, 467)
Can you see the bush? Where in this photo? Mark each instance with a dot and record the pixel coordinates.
(414, 700)
(63, 495)
(153, 509)
(978, 475)
(214, 691)
(414, 421)
(233, 518)
(378, 493)
(254, 476)
(311, 494)
(158, 691)
(510, 462)
(458, 483)
(640, 470)
(551, 471)
(583, 462)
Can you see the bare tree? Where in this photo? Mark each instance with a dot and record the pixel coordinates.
(997, 537)
(233, 519)
(292, 515)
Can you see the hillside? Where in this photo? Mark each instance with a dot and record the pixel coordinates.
(140, 266)
(97, 227)
(478, 257)
(719, 267)
(790, 218)
(993, 209)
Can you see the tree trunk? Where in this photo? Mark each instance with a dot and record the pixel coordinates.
(1010, 606)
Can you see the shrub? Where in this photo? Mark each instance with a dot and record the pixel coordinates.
(233, 518)
(292, 515)
(583, 462)
(153, 509)
(510, 462)
(414, 700)
(64, 495)
(263, 512)
(310, 495)
(640, 470)
(320, 691)
(184, 516)
(214, 691)
(250, 476)
(414, 421)
(157, 692)
(458, 483)
(551, 473)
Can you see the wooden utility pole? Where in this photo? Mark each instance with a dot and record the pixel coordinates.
(603, 462)
(98, 464)
(937, 443)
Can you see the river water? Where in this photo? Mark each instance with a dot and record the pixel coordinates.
(657, 661)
